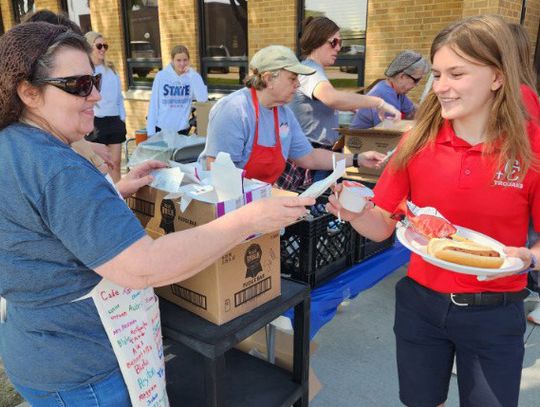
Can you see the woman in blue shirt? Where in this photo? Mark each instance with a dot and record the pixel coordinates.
(64, 227)
(402, 75)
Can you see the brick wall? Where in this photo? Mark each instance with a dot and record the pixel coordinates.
(7, 14)
(53, 5)
(532, 18)
(475, 7)
(178, 24)
(510, 10)
(271, 22)
(106, 16)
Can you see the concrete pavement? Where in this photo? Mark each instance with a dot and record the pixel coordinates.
(355, 361)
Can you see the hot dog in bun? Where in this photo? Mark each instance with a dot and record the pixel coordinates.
(466, 252)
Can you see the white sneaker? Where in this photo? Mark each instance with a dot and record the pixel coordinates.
(534, 315)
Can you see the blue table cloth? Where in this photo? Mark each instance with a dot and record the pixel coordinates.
(326, 298)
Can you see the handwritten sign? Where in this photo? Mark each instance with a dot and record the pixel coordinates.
(131, 320)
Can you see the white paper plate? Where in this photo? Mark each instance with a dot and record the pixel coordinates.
(418, 244)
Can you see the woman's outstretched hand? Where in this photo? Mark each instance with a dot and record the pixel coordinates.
(271, 214)
(334, 206)
(138, 177)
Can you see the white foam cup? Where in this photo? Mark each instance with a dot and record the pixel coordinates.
(354, 196)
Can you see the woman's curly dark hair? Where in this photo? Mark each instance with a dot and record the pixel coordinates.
(28, 52)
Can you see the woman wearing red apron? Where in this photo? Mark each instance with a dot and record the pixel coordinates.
(265, 163)
(259, 131)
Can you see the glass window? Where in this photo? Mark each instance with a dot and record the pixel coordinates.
(21, 7)
(143, 46)
(351, 17)
(224, 43)
(79, 12)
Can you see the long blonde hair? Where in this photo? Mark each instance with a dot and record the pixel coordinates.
(524, 50)
(91, 37)
(487, 40)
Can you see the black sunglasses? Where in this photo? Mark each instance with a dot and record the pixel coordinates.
(80, 85)
(335, 42)
(99, 46)
(415, 80)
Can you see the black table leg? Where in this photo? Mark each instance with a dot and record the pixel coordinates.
(214, 369)
(301, 349)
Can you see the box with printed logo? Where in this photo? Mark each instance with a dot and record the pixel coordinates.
(381, 139)
(242, 279)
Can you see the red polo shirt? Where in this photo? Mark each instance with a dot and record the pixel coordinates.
(469, 190)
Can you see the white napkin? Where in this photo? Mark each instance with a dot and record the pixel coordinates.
(226, 178)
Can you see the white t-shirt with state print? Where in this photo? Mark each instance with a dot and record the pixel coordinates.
(170, 103)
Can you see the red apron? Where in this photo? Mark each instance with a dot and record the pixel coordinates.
(265, 163)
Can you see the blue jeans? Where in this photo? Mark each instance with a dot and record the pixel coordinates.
(109, 392)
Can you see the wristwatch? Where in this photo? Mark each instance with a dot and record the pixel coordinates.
(355, 161)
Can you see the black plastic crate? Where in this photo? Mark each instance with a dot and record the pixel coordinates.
(366, 248)
(317, 248)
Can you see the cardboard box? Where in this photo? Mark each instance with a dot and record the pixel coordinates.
(375, 139)
(202, 112)
(160, 216)
(242, 279)
(255, 345)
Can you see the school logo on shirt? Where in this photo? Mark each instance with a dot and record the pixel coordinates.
(175, 90)
(509, 177)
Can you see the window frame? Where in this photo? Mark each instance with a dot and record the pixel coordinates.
(136, 62)
(64, 6)
(218, 62)
(341, 60)
(16, 16)
(2, 30)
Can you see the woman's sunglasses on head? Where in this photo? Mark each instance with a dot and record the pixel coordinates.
(100, 46)
(415, 80)
(335, 42)
(80, 85)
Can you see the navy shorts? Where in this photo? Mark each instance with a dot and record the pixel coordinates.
(109, 130)
(487, 342)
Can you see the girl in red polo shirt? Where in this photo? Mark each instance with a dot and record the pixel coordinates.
(474, 157)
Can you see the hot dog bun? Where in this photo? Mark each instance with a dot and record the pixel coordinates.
(466, 253)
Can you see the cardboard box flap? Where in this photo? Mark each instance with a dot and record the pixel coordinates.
(373, 132)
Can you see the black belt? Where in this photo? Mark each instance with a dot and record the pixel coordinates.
(488, 298)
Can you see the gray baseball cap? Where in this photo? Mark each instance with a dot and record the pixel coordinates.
(276, 57)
